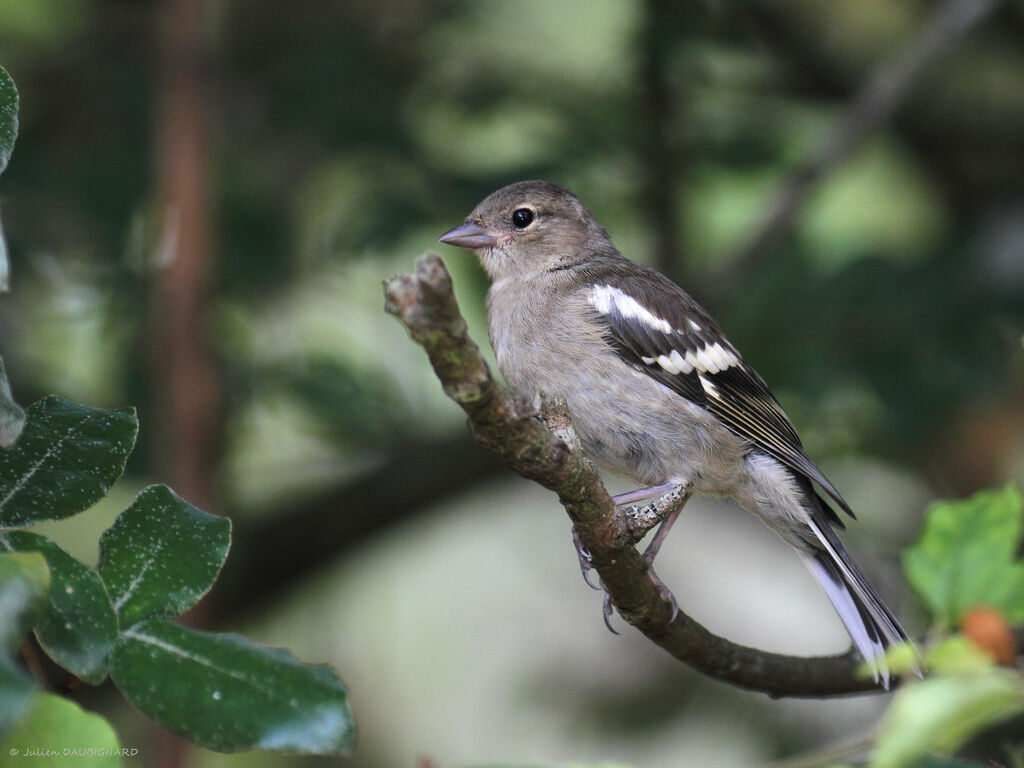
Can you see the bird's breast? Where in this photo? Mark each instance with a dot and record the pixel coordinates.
(627, 422)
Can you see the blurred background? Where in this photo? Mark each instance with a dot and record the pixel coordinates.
(206, 196)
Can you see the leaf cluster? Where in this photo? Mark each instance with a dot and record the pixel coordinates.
(157, 560)
(965, 560)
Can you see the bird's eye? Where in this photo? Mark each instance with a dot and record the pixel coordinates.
(522, 217)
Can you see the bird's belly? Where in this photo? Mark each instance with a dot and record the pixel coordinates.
(631, 425)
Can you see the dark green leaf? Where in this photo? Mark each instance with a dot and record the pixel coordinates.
(161, 555)
(941, 713)
(8, 117)
(24, 582)
(965, 557)
(12, 417)
(226, 693)
(64, 735)
(78, 627)
(65, 460)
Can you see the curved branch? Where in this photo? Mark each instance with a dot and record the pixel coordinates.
(512, 428)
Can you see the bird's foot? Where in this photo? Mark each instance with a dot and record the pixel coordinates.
(640, 520)
(664, 510)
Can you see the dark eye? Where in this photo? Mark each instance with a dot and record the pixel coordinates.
(521, 218)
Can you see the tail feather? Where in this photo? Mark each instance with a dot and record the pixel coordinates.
(871, 625)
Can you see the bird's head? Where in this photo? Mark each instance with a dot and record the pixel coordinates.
(529, 227)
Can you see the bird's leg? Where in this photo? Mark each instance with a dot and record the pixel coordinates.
(659, 537)
(665, 510)
(642, 493)
(652, 551)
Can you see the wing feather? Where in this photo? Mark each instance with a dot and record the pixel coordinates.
(658, 329)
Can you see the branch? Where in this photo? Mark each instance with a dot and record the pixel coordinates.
(503, 422)
(884, 93)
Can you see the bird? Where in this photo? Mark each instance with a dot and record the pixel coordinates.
(655, 391)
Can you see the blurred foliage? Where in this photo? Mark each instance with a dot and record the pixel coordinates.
(351, 131)
(963, 695)
(964, 560)
(348, 135)
(24, 586)
(49, 715)
(968, 557)
(12, 416)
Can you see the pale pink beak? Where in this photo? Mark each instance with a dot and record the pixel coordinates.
(469, 235)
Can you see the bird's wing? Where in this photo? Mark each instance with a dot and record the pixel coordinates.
(658, 329)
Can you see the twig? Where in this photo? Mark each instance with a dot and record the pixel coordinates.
(884, 93)
(503, 422)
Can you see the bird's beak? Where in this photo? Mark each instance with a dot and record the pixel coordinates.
(469, 235)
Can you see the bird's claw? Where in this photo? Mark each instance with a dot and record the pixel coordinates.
(586, 561)
(666, 595)
(606, 610)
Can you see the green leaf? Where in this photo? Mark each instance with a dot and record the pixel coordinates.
(226, 693)
(941, 713)
(78, 627)
(966, 556)
(12, 417)
(8, 117)
(24, 582)
(161, 555)
(57, 733)
(956, 655)
(66, 460)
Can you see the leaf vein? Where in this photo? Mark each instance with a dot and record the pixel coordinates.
(201, 660)
(50, 451)
(129, 591)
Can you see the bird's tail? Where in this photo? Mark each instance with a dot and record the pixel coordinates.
(871, 625)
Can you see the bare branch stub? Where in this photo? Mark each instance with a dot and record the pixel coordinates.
(500, 420)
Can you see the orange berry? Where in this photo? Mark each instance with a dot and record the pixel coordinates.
(989, 631)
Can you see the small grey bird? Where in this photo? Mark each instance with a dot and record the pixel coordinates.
(654, 389)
